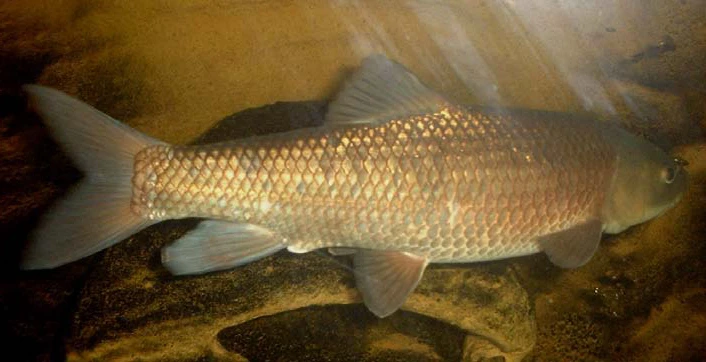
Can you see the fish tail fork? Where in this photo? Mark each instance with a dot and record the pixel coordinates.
(96, 213)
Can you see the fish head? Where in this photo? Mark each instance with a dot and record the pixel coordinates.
(646, 183)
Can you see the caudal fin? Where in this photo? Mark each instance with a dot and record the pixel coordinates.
(96, 213)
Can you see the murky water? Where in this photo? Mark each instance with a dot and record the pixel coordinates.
(183, 70)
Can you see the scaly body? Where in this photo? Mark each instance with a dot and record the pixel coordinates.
(456, 186)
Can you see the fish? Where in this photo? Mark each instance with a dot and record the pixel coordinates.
(397, 177)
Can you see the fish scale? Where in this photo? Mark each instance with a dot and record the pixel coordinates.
(454, 185)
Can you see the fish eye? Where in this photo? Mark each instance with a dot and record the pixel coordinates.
(668, 174)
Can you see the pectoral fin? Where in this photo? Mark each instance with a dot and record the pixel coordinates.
(573, 247)
(386, 278)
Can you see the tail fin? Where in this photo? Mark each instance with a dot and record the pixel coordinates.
(96, 213)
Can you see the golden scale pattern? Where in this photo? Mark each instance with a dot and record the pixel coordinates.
(456, 185)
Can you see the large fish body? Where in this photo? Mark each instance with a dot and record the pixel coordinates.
(456, 185)
(398, 177)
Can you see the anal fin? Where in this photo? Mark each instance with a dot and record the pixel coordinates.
(386, 278)
(218, 245)
(573, 247)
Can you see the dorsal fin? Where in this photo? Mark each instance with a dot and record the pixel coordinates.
(381, 90)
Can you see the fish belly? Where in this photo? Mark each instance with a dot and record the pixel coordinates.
(455, 186)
